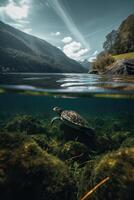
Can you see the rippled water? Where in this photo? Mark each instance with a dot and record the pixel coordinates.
(76, 84)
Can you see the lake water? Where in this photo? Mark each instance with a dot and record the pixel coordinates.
(106, 103)
(90, 95)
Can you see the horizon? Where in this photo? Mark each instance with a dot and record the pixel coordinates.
(78, 28)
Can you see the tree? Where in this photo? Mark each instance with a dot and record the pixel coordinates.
(102, 62)
(110, 41)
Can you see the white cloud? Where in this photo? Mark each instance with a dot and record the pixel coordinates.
(14, 11)
(75, 50)
(73, 46)
(16, 14)
(55, 34)
(67, 40)
(83, 52)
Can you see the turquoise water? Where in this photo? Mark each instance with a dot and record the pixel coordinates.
(32, 151)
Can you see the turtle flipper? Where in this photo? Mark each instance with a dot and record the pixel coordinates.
(54, 119)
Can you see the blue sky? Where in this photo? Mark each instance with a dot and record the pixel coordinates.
(77, 27)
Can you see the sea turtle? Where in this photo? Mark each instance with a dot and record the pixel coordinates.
(71, 119)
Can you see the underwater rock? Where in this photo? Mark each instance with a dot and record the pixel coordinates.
(111, 141)
(74, 151)
(41, 139)
(119, 166)
(28, 172)
(25, 124)
(84, 136)
(117, 138)
(129, 142)
(103, 143)
(51, 145)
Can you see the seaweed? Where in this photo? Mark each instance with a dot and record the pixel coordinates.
(74, 151)
(29, 172)
(118, 165)
(38, 161)
(25, 124)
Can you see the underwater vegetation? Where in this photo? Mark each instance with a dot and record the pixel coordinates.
(41, 162)
(25, 124)
(119, 167)
(74, 151)
(28, 172)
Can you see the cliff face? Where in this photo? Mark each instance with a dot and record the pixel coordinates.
(122, 67)
(20, 52)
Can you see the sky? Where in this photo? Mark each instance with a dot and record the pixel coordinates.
(77, 27)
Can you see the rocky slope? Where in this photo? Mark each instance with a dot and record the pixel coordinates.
(119, 45)
(122, 67)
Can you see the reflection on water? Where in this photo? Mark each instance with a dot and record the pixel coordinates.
(68, 83)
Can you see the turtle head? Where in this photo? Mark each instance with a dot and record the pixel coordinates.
(57, 110)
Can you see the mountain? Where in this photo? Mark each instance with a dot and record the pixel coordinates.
(21, 52)
(85, 63)
(122, 40)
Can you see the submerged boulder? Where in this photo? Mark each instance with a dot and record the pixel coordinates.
(25, 124)
(84, 136)
(119, 167)
(51, 145)
(129, 142)
(74, 151)
(29, 172)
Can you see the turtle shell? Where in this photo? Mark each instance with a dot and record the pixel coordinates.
(74, 118)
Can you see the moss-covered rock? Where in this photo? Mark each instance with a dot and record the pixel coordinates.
(129, 142)
(41, 139)
(28, 172)
(119, 166)
(119, 137)
(74, 151)
(85, 136)
(103, 143)
(26, 124)
(51, 145)
(111, 141)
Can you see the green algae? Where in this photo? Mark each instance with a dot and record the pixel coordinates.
(119, 166)
(38, 161)
(29, 172)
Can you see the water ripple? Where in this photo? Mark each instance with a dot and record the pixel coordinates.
(67, 83)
